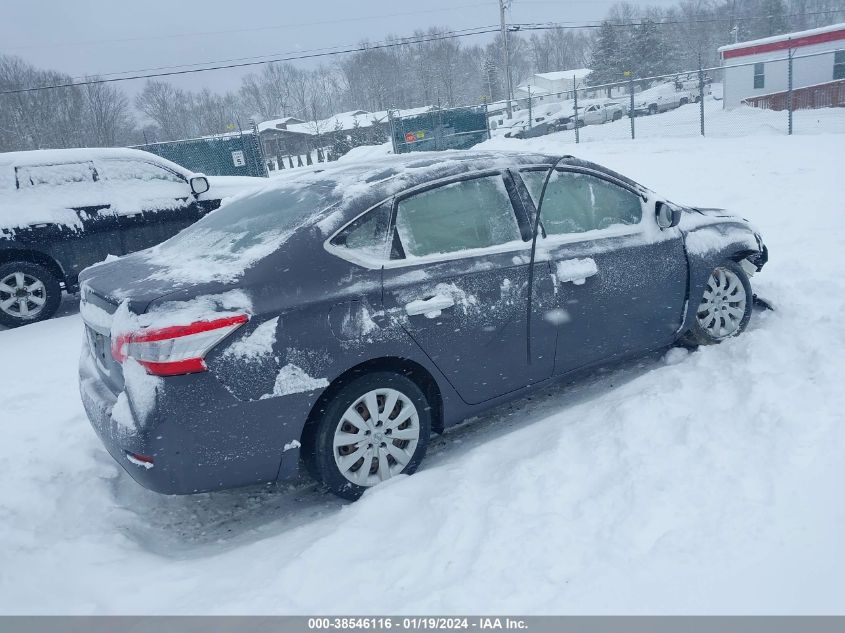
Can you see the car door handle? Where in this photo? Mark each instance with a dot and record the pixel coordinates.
(431, 307)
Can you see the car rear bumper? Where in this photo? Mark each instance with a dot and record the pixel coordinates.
(193, 445)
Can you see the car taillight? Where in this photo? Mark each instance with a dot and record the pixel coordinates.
(177, 349)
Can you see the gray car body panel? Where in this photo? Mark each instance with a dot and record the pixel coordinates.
(228, 427)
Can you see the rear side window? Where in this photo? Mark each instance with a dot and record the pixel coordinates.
(121, 169)
(576, 203)
(54, 175)
(367, 236)
(460, 216)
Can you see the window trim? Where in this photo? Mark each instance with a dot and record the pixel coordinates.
(839, 65)
(761, 75)
(508, 247)
(596, 234)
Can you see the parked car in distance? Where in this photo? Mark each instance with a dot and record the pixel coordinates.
(63, 210)
(339, 319)
(602, 112)
(661, 98)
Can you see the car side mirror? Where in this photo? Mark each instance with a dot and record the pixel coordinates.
(667, 215)
(199, 184)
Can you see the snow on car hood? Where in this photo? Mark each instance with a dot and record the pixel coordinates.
(221, 187)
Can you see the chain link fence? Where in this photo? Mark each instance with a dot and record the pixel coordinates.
(735, 99)
(439, 129)
(235, 154)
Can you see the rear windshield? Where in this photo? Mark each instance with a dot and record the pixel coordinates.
(252, 226)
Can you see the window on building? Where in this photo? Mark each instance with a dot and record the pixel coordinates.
(839, 65)
(759, 76)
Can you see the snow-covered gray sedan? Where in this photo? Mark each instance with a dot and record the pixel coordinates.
(335, 320)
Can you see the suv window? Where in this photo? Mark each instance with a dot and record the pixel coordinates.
(123, 169)
(576, 203)
(463, 215)
(367, 235)
(54, 175)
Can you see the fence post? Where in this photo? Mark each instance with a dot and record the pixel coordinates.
(789, 89)
(530, 111)
(390, 126)
(486, 119)
(631, 105)
(701, 94)
(575, 107)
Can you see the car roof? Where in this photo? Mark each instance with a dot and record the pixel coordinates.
(80, 154)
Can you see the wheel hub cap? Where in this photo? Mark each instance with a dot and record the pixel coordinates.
(376, 437)
(723, 304)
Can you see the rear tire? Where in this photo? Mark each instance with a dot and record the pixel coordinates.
(652, 109)
(28, 293)
(375, 427)
(725, 306)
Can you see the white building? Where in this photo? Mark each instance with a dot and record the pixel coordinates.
(764, 69)
(553, 83)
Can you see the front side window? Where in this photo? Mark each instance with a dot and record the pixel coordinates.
(121, 169)
(759, 75)
(577, 203)
(367, 236)
(839, 65)
(460, 216)
(54, 175)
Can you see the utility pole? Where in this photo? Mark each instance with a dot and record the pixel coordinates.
(503, 4)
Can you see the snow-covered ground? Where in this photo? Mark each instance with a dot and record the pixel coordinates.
(686, 482)
(685, 121)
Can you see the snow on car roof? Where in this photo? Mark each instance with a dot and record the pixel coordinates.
(81, 154)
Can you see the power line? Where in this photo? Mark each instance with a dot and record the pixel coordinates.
(528, 26)
(339, 49)
(243, 30)
(318, 53)
(356, 49)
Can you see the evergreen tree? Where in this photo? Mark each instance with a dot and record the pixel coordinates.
(340, 144)
(490, 80)
(650, 52)
(775, 10)
(607, 60)
(358, 135)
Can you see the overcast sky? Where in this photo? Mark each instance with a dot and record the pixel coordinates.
(82, 37)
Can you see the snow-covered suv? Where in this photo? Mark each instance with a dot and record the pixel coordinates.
(64, 210)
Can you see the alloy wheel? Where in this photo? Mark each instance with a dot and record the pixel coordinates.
(723, 304)
(22, 296)
(376, 437)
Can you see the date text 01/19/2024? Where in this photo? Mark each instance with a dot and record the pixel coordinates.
(416, 623)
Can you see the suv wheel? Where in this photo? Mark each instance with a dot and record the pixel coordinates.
(375, 427)
(28, 293)
(725, 307)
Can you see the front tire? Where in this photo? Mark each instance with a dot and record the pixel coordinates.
(28, 293)
(374, 428)
(725, 306)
